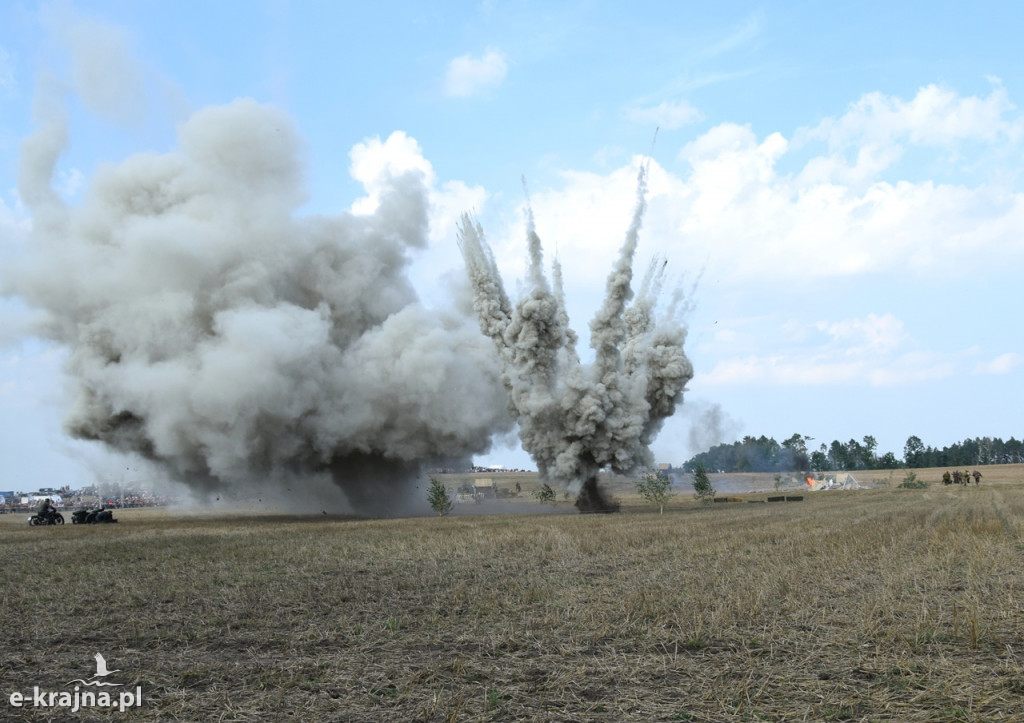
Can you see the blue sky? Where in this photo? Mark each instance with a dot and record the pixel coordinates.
(839, 184)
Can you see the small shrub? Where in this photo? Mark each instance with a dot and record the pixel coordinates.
(656, 488)
(911, 482)
(438, 497)
(702, 488)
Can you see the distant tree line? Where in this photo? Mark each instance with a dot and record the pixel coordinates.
(764, 454)
(977, 451)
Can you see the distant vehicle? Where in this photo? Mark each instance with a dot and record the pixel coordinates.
(92, 517)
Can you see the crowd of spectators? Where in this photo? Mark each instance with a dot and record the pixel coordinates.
(88, 498)
(495, 470)
(476, 469)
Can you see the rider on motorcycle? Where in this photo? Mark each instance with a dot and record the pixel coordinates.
(46, 509)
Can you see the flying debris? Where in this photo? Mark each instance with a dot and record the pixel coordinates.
(576, 419)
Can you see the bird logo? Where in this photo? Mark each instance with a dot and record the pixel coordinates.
(101, 672)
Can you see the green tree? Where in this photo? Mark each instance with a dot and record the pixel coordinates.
(888, 461)
(797, 447)
(438, 497)
(702, 488)
(913, 451)
(868, 457)
(837, 455)
(656, 488)
(819, 459)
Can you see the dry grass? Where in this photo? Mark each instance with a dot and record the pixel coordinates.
(879, 604)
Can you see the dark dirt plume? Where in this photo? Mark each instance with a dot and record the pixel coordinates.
(592, 499)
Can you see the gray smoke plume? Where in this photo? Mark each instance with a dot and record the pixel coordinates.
(238, 345)
(710, 425)
(575, 419)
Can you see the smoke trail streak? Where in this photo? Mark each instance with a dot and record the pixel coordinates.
(240, 346)
(576, 419)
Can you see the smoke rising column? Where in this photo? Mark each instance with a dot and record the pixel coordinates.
(576, 419)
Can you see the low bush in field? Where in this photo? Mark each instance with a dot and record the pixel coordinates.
(911, 482)
(702, 488)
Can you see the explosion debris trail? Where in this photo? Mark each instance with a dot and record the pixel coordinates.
(576, 419)
(237, 345)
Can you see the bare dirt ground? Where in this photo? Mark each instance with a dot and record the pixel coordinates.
(876, 604)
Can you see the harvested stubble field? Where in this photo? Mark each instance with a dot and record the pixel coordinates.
(883, 604)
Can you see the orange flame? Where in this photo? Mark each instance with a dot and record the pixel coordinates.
(810, 481)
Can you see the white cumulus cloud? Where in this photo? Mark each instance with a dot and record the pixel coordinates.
(1002, 364)
(374, 162)
(873, 350)
(873, 333)
(468, 75)
(753, 206)
(667, 114)
(934, 116)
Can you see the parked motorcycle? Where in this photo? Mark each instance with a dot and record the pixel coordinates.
(53, 518)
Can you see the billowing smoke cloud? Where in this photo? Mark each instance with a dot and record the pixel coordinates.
(240, 346)
(575, 419)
